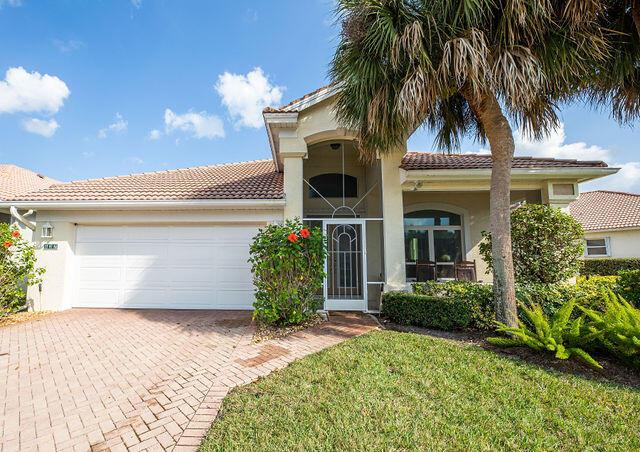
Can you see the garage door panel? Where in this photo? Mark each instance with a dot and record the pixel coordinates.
(237, 235)
(99, 275)
(145, 297)
(164, 267)
(98, 234)
(234, 299)
(156, 234)
(99, 297)
(234, 276)
(149, 275)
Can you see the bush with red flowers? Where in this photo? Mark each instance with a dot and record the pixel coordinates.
(17, 269)
(288, 269)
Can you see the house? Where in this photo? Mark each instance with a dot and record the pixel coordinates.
(16, 181)
(611, 221)
(180, 238)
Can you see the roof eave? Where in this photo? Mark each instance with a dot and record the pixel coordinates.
(582, 174)
(149, 205)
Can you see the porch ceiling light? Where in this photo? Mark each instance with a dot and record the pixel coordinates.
(47, 231)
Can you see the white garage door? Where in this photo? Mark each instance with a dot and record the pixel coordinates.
(173, 267)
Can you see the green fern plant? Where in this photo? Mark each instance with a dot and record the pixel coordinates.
(617, 328)
(560, 334)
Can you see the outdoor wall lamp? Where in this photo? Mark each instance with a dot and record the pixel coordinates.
(47, 231)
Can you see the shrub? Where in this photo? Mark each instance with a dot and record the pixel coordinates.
(608, 267)
(629, 285)
(588, 290)
(426, 311)
(476, 298)
(547, 244)
(17, 269)
(558, 334)
(617, 328)
(288, 267)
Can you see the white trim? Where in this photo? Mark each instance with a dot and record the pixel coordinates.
(464, 214)
(607, 246)
(186, 204)
(581, 173)
(605, 230)
(314, 99)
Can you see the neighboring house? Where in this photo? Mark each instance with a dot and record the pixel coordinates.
(16, 181)
(611, 221)
(180, 239)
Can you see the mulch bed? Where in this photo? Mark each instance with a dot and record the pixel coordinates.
(20, 317)
(613, 370)
(268, 332)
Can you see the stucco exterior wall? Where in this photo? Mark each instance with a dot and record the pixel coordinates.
(622, 243)
(474, 208)
(56, 291)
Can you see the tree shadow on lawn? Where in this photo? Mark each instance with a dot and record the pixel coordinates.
(613, 370)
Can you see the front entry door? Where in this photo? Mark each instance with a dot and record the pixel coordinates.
(345, 282)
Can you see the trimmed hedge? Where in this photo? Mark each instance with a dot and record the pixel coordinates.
(608, 267)
(425, 311)
(629, 286)
(475, 298)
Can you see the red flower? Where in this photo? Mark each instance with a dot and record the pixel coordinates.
(293, 238)
(8, 244)
(15, 234)
(304, 233)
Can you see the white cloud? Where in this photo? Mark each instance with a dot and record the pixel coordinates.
(136, 3)
(88, 154)
(40, 126)
(245, 96)
(155, 134)
(119, 125)
(554, 146)
(23, 91)
(134, 160)
(13, 3)
(68, 45)
(200, 125)
(627, 179)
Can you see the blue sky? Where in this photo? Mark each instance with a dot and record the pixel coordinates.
(100, 88)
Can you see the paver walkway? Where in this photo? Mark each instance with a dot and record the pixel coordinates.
(136, 379)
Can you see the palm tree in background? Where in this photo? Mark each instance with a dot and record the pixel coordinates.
(465, 67)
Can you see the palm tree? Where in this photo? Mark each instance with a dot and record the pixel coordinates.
(464, 67)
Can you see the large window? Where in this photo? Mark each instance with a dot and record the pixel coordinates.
(331, 185)
(433, 238)
(597, 247)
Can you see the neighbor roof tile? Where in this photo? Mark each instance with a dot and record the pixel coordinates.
(599, 210)
(16, 181)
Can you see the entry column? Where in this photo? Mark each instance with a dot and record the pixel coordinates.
(393, 221)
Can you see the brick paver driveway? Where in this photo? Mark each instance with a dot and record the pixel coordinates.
(135, 379)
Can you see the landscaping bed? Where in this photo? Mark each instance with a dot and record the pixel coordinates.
(20, 317)
(265, 332)
(388, 390)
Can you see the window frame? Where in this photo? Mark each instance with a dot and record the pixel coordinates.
(607, 246)
(430, 236)
(316, 193)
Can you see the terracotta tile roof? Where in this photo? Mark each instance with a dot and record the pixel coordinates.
(16, 181)
(430, 161)
(598, 210)
(245, 180)
(288, 108)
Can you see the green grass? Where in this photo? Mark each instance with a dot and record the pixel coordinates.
(398, 391)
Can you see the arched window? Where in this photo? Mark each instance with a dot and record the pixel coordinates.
(330, 186)
(433, 237)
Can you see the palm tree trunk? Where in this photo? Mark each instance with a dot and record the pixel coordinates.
(500, 137)
(635, 13)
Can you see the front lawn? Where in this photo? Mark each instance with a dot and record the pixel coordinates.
(388, 390)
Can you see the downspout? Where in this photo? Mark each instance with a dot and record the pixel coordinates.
(21, 218)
